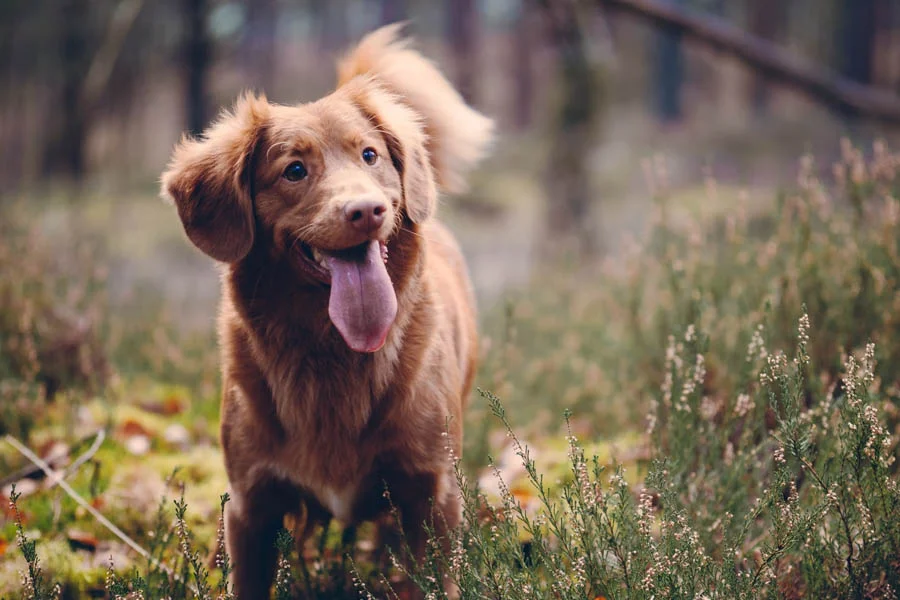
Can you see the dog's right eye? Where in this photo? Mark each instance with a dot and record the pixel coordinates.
(295, 171)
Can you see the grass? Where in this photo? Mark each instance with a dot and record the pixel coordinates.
(712, 413)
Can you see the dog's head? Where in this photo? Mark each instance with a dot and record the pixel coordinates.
(327, 185)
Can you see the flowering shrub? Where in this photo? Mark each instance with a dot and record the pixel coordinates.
(734, 504)
(756, 353)
(770, 413)
(49, 316)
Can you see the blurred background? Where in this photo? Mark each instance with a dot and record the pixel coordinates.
(653, 172)
(95, 94)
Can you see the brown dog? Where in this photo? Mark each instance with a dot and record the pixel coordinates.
(347, 323)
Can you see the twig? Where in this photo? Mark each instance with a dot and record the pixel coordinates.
(88, 454)
(841, 513)
(54, 477)
(30, 470)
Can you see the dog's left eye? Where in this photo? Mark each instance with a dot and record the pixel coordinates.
(295, 171)
(370, 156)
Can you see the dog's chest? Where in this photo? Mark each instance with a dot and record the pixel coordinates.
(325, 452)
(340, 502)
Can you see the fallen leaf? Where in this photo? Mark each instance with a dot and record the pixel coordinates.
(3, 546)
(173, 404)
(130, 428)
(81, 540)
(24, 488)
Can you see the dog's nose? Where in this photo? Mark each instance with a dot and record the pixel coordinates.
(365, 215)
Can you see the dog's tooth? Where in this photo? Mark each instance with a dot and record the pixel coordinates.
(319, 258)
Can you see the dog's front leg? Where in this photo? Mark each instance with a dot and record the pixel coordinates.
(251, 526)
(428, 502)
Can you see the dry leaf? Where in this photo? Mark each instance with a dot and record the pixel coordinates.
(81, 540)
(130, 428)
(173, 404)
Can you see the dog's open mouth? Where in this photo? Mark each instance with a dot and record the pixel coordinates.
(362, 303)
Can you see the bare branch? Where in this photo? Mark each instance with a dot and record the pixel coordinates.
(769, 59)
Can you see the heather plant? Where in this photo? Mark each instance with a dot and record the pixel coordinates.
(773, 494)
(59, 337)
(35, 586)
(580, 340)
(50, 307)
(754, 351)
(174, 567)
(772, 469)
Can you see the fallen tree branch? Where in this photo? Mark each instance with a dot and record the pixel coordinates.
(771, 60)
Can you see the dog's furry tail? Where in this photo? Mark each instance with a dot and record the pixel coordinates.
(458, 135)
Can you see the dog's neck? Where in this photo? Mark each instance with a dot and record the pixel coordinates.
(285, 319)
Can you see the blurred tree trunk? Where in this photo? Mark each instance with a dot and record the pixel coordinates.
(767, 22)
(884, 55)
(526, 38)
(856, 30)
(259, 43)
(332, 19)
(394, 10)
(668, 72)
(12, 140)
(197, 58)
(856, 41)
(462, 20)
(67, 152)
(568, 184)
(717, 7)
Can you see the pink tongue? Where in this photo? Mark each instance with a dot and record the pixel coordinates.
(362, 304)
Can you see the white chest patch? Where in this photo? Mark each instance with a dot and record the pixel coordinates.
(339, 502)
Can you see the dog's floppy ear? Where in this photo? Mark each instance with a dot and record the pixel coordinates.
(405, 139)
(457, 136)
(210, 181)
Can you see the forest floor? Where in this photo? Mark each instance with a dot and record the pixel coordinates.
(551, 342)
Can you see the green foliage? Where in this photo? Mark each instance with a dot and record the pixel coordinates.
(174, 568)
(284, 577)
(34, 585)
(808, 508)
(771, 474)
(50, 307)
(755, 354)
(586, 340)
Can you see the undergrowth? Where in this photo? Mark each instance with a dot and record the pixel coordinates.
(757, 356)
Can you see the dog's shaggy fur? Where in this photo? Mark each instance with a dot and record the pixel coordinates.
(325, 403)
